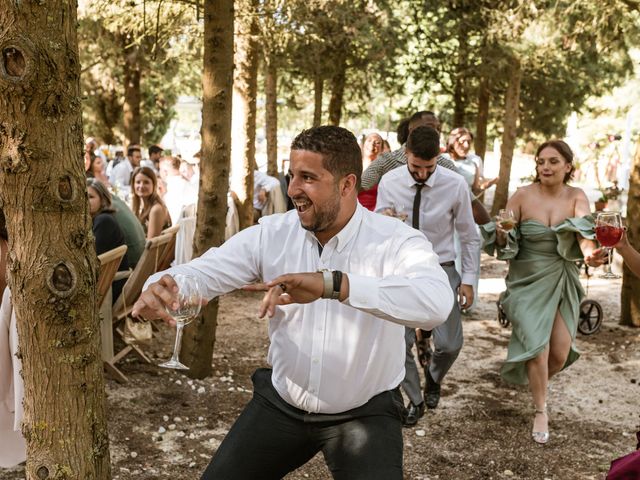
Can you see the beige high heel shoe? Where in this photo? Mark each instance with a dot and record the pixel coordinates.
(541, 437)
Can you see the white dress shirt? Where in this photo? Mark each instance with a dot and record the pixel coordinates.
(121, 174)
(262, 181)
(445, 207)
(330, 356)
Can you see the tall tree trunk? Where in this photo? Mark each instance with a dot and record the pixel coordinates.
(318, 87)
(271, 115)
(511, 115)
(480, 138)
(630, 298)
(217, 87)
(52, 271)
(337, 90)
(245, 86)
(460, 87)
(132, 94)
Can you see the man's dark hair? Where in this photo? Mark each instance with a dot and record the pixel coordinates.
(132, 149)
(154, 149)
(402, 131)
(338, 146)
(424, 142)
(424, 114)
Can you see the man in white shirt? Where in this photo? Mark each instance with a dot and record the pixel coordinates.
(337, 339)
(437, 202)
(263, 187)
(180, 192)
(121, 174)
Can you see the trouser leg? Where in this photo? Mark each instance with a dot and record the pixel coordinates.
(411, 382)
(263, 444)
(366, 448)
(447, 338)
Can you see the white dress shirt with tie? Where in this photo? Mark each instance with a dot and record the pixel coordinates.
(330, 356)
(445, 206)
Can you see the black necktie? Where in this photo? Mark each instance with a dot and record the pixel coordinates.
(416, 206)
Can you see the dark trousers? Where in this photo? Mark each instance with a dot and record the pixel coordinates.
(271, 438)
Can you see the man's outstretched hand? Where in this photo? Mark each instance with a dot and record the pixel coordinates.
(288, 289)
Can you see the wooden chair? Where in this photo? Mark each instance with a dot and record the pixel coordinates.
(109, 264)
(169, 250)
(148, 264)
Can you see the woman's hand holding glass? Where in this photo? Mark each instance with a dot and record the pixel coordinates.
(505, 222)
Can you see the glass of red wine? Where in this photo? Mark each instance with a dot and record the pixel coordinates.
(609, 232)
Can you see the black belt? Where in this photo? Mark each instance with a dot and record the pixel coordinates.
(450, 263)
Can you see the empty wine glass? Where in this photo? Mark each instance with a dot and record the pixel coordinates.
(609, 232)
(184, 308)
(507, 221)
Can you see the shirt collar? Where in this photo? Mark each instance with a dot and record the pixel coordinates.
(410, 181)
(349, 231)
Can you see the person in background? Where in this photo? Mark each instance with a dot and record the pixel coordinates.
(550, 230)
(13, 449)
(179, 191)
(437, 202)
(371, 148)
(96, 170)
(155, 154)
(106, 230)
(263, 187)
(121, 174)
(132, 230)
(469, 165)
(336, 336)
(385, 146)
(147, 204)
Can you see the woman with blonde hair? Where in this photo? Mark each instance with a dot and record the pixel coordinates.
(146, 202)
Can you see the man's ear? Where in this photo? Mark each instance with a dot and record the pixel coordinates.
(348, 184)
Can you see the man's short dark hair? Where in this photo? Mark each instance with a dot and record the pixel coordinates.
(153, 149)
(402, 131)
(423, 114)
(424, 142)
(132, 149)
(339, 148)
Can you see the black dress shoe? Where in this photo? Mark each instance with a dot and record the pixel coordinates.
(412, 414)
(431, 392)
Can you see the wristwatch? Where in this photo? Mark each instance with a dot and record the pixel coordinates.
(332, 281)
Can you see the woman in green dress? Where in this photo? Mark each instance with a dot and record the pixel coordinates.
(553, 230)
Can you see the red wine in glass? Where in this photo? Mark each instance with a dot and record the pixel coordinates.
(608, 236)
(609, 231)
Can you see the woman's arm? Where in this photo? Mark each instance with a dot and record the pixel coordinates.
(157, 217)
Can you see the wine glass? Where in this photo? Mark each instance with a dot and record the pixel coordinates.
(399, 211)
(507, 221)
(187, 303)
(609, 232)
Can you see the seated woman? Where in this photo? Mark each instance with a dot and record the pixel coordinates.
(13, 448)
(146, 202)
(96, 169)
(106, 230)
(553, 231)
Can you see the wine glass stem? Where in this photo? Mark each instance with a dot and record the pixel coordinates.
(609, 260)
(178, 344)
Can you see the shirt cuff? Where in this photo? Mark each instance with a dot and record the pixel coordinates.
(469, 278)
(363, 292)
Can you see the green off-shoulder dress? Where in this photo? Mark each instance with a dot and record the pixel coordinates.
(543, 278)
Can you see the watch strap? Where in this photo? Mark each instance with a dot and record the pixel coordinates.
(337, 283)
(327, 278)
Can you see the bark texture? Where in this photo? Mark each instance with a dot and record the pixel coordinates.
(318, 87)
(630, 296)
(217, 86)
(480, 138)
(132, 122)
(52, 271)
(337, 90)
(245, 86)
(510, 125)
(271, 116)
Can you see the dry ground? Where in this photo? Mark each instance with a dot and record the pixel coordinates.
(164, 426)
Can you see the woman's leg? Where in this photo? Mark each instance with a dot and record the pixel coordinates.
(559, 345)
(538, 373)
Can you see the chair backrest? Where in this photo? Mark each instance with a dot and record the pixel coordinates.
(169, 250)
(147, 265)
(109, 263)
